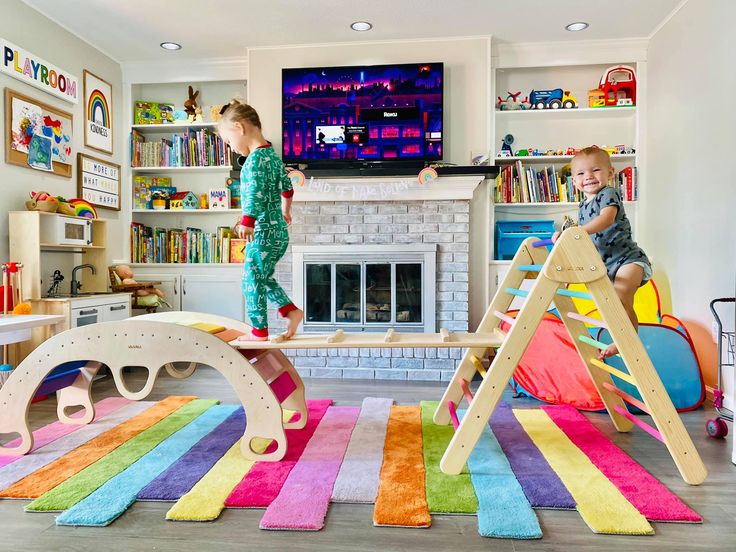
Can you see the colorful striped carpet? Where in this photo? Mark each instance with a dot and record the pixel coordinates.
(187, 450)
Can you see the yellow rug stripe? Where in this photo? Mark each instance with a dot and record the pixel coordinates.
(206, 500)
(599, 502)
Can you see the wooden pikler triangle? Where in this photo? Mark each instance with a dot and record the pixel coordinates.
(574, 259)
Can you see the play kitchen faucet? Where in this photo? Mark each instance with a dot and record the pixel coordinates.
(76, 284)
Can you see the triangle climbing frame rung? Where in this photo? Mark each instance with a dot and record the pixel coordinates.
(573, 259)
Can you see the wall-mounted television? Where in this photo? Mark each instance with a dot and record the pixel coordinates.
(362, 113)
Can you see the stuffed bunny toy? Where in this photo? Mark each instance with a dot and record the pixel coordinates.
(190, 105)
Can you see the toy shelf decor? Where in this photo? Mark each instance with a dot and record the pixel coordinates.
(192, 147)
(573, 259)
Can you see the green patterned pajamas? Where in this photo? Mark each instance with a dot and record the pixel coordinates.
(263, 181)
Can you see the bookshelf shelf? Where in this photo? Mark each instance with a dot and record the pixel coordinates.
(157, 129)
(186, 211)
(553, 158)
(210, 168)
(583, 112)
(562, 205)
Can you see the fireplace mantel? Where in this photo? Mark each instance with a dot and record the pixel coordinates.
(398, 188)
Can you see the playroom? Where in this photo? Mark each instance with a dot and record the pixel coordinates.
(404, 276)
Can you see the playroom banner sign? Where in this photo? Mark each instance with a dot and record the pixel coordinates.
(31, 69)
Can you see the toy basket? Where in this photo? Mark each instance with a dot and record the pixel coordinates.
(510, 234)
(66, 209)
(44, 206)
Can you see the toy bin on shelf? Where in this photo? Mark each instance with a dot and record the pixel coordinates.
(510, 234)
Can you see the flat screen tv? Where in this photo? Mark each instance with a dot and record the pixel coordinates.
(362, 113)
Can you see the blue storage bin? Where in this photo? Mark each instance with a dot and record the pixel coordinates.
(510, 234)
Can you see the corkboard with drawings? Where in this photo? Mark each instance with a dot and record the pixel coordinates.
(37, 135)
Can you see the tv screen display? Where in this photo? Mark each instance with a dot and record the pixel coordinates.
(362, 113)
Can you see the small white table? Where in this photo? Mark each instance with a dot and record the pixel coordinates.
(17, 328)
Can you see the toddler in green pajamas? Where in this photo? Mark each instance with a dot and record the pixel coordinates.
(266, 194)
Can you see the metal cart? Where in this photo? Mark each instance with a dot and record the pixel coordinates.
(717, 428)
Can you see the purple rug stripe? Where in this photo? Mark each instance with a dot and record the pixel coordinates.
(181, 476)
(540, 483)
(303, 501)
(50, 433)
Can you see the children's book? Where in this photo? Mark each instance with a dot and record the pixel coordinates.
(237, 250)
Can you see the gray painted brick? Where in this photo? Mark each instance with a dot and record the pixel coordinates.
(408, 238)
(407, 353)
(430, 353)
(432, 237)
(460, 257)
(374, 362)
(326, 373)
(456, 227)
(393, 228)
(354, 352)
(459, 276)
(422, 228)
(422, 208)
(445, 296)
(342, 362)
(452, 286)
(446, 375)
(358, 374)
(439, 364)
(304, 372)
(315, 219)
(407, 363)
(392, 209)
(349, 219)
(379, 238)
(436, 217)
(363, 228)
(320, 238)
(461, 316)
(378, 219)
(462, 217)
(461, 238)
(349, 238)
(390, 374)
(456, 354)
(457, 326)
(423, 375)
(414, 218)
(453, 306)
(363, 209)
(452, 267)
(306, 208)
(333, 229)
(419, 353)
(459, 247)
(310, 362)
(459, 296)
(454, 207)
(443, 353)
(338, 209)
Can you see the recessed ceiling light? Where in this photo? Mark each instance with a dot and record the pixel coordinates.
(361, 26)
(170, 46)
(578, 26)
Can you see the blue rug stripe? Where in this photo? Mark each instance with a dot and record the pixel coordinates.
(503, 509)
(112, 499)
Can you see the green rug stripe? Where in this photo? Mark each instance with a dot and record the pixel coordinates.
(76, 488)
(451, 494)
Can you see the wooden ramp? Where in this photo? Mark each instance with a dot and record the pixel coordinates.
(574, 259)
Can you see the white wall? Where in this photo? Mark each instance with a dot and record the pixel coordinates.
(688, 222)
(40, 36)
(467, 82)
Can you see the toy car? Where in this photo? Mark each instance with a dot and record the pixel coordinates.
(552, 99)
(618, 84)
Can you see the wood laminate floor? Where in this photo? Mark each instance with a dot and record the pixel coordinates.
(350, 527)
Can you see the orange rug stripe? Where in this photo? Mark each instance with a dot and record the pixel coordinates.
(402, 498)
(51, 475)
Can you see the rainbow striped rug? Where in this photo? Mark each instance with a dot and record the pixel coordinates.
(186, 451)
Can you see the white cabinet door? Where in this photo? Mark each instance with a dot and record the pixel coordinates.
(215, 293)
(170, 285)
(115, 311)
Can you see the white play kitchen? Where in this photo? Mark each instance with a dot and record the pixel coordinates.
(50, 244)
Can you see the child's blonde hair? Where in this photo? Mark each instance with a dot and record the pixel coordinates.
(594, 151)
(237, 111)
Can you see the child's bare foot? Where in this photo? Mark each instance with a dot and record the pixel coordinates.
(295, 318)
(608, 351)
(251, 337)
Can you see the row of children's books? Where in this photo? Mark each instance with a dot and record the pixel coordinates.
(518, 184)
(191, 148)
(190, 245)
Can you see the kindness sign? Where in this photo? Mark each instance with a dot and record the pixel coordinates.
(33, 70)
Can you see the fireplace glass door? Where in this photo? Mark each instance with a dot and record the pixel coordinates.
(366, 295)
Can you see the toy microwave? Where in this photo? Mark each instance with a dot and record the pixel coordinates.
(62, 230)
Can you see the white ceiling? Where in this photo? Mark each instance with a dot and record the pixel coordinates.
(131, 30)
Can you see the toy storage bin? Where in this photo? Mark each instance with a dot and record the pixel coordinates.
(510, 234)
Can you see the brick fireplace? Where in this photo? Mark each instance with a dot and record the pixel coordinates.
(377, 242)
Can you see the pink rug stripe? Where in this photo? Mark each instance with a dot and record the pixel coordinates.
(653, 500)
(303, 501)
(50, 433)
(262, 484)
